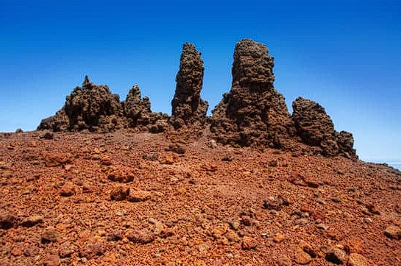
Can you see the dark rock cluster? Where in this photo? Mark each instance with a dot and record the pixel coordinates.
(316, 128)
(253, 113)
(188, 109)
(94, 108)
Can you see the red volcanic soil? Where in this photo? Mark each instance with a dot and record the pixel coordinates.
(129, 198)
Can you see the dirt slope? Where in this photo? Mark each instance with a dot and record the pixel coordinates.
(189, 204)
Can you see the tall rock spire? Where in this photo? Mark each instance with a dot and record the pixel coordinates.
(253, 113)
(188, 109)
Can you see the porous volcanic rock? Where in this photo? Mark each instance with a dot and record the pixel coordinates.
(91, 107)
(188, 109)
(253, 113)
(139, 113)
(316, 128)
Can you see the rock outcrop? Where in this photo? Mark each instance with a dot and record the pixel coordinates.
(188, 109)
(316, 128)
(139, 114)
(92, 107)
(253, 113)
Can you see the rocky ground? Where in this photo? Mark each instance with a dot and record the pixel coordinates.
(128, 198)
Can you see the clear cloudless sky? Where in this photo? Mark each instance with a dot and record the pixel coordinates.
(344, 54)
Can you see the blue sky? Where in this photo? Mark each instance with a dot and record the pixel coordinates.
(343, 54)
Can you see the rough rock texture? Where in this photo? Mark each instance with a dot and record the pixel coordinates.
(316, 128)
(138, 112)
(253, 113)
(91, 107)
(95, 108)
(188, 109)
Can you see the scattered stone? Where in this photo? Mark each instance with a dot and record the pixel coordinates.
(8, 221)
(47, 135)
(227, 158)
(143, 236)
(273, 163)
(92, 249)
(66, 250)
(275, 203)
(57, 159)
(50, 235)
(336, 256)
(393, 232)
(51, 260)
(119, 193)
(246, 220)
(322, 226)
(105, 160)
(232, 236)
(356, 259)
(152, 156)
(372, 209)
(304, 253)
(32, 220)
(121, 174)
(248, 243)
(279, 238)
(336, 199)
(115, 235)
(177, 148)
(67, 190)
(139, 195)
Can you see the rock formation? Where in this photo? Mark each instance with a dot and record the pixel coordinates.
(188, 109)
(316, 128)
(253, 113)
(91, 107)
(138, 112)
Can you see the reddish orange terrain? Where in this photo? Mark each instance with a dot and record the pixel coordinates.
(122, 199)
(104, 182)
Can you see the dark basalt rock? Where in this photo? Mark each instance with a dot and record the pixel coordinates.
(253, 113)
(139, 114)
(91, 107)
(316, 128)
(188, 109)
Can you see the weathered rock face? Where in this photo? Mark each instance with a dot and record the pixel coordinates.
(188, 109)
(139, 114)
(91, 107)
(316, 128)
(253, 113)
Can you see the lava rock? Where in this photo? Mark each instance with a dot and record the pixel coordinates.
(316, 128)
(188, 109)
(253, 113)
(143, 236)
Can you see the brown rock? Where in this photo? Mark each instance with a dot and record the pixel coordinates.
(336, 256)
(8, 220)
(32, 220)
(248, 243)
(143, 236)
(316, 128)
(393, 232)
(121, 174)
(66, 249)
(188, 109)
(57, 159)
(67, 190)
(301, 257)
(51, 260)
(119, 193)
(50, 235)
(279, 238)
(253, 113)
(92, 249)
(139, 114)
(356, 259)
(273, 203)
(139, 195)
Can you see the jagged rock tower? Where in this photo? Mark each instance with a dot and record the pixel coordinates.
(188, 109)
(91, 107)
(316, 128)
(139, 114)
(253, 113)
